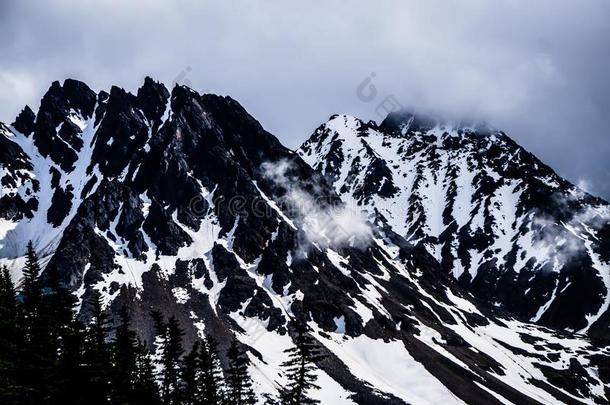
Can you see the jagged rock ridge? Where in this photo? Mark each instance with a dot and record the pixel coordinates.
(497, 219)
(182, 202)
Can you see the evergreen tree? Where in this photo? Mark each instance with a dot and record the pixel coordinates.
(169, 347)
(202, 375)
(145, 388)
(124, 368)
(30, 307)
(96, 355)
(8, 303)
(239, 383)
(172, 355)
(300, 369)
(8, 338)
(210, 383)
(65, 339)
(69, 382)
(31, 289)
(191, 373)
(159, 324)
(57, 309)
(36, 355)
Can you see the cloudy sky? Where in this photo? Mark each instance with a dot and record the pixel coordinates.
(538, 70)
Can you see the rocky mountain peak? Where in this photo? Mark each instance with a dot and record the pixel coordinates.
(403, 122)
(152, 97)
(503, 223)
(25, 121)
(182, 202)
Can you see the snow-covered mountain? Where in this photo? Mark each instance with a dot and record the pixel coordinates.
(183, 203)
(497, 219)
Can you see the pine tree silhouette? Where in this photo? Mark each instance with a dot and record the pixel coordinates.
(239, 383)
(65, 338)
(68, 373)
(211, 384)
(146, 389)
(124, 370)
(36, 355)
(191, 372)
(31, 292)
(8, 303)
(299, 369)
(97, 355)
(57, 307)
(169, 348)
(9, 339)
(173, 353)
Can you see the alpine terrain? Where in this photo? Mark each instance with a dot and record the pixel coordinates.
(498, 220)
(389, 242)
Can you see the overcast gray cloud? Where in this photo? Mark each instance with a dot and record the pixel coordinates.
(535, 69)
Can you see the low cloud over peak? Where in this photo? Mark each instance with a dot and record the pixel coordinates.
(536, 71)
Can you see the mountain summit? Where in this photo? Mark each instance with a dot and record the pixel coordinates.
(498, 220)
(182, 203)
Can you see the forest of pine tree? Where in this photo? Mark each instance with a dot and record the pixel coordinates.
(300, 369)
(47, 356)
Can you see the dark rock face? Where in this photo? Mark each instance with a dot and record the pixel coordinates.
(56, 107)
(501, 222)
(25, 121)
(182, 202)
(60, 205)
